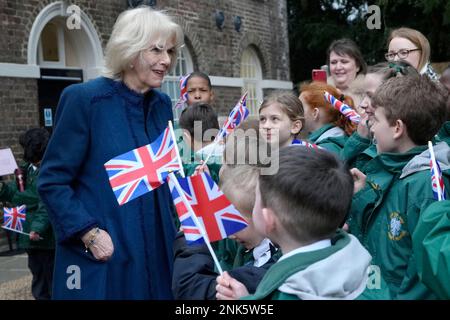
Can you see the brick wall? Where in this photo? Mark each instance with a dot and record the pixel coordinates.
(18, 111)
(216, 52)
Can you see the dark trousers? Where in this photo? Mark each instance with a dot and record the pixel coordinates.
(41, 264)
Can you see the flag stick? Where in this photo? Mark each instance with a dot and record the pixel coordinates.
(436, 173)
(221, 136)
(176, 148)
(196, 221)
(13, 230)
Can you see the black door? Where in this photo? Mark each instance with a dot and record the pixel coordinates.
(50, 86)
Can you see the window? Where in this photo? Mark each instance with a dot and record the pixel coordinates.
(171, 84)
(51, 46)
(251, 73)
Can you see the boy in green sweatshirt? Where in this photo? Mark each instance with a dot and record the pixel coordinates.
(409, 111)
(300, 208)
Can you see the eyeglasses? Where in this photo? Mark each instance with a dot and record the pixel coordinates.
(402, 54)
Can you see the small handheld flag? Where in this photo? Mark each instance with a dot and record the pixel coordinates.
(193, 229)
(218, 216)
(144, 169)
(305, 144)
(348, 112)
(14, 218)
(183, 91)
(437, 183)
(238, 114)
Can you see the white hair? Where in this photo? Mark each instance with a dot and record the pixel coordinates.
(135, 31)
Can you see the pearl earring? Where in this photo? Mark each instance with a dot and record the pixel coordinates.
(131, 66)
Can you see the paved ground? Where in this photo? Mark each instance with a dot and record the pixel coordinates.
(15, 277)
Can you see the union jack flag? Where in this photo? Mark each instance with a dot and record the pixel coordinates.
(183, 91)
(217, 215)
(305, 144)
(144, 169)
(13, 218)
(437, 181)
(238, 114)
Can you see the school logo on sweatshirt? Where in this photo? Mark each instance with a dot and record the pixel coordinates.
(395, 227)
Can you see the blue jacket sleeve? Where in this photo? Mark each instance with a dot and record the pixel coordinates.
(65, 155)
(194, 277)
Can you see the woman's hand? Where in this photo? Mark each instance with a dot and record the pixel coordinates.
(100, 244)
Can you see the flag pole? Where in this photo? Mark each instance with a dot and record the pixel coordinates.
(435, 171)
(13, 230)
(176, 148)
(196, 221)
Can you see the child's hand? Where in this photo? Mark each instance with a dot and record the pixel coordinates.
(229, 288)
(201, 169)
(363, 126)
(359, 178)
(34, 236)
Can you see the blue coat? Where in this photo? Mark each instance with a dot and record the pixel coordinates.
(95, 122)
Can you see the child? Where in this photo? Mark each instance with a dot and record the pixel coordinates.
(444, 133)
(359, 149)
(40, 244)
(200, 126)
(194, 276)
(326, 126)
(300, 209)
(408, 113)
(199, 88)
(280, 118)
(430, 244)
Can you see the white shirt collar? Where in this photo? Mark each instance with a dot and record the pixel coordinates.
(261, 253)
(322, 244)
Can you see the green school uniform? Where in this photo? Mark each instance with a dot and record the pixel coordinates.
(300, 276)
(431, 243)
(444, 133)
(358, 151)
(329, 137)
(386, 212)
(36, 214)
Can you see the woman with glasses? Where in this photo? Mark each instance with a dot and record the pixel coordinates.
(413, 47)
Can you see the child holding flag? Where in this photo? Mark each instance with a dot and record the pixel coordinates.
(194, 272)
(385, 214)
(38, 240)
(326, 126)
(319, 261)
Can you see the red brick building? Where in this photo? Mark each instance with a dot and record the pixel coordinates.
(46, 45)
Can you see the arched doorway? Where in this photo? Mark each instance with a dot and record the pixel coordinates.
(251, 73)
(65, 55)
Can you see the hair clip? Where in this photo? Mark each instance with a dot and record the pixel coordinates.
(397, 68)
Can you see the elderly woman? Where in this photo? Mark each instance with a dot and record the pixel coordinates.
(105, 251)
(347, 68)
(413, 47)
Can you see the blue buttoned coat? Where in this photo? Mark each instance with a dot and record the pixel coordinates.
(95, 122)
